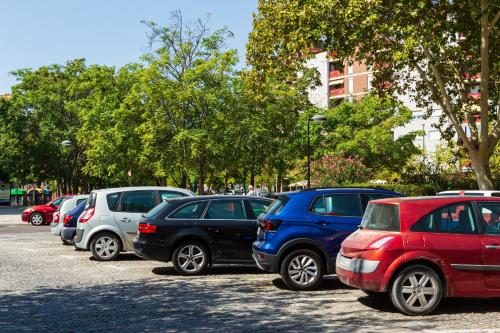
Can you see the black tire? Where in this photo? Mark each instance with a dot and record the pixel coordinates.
(105, 246)
(37, 219)
(65, 242)
(190, 258)
(424, 287)
(302, 265)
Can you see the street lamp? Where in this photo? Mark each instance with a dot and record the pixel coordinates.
(64, 143)
(317, 118)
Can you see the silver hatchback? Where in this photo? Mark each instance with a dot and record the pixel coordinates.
(109, 223)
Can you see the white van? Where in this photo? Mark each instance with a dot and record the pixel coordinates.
(109, 223)
(472, 193)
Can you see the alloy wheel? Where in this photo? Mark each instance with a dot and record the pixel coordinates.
(303, 269)
(419, 291)
(106, 247)
(37, 219)
(191, 258)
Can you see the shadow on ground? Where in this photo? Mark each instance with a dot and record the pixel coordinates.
(214, 270)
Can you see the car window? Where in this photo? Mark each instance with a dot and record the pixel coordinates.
(474, 194)
(112, 200)
(137, 201)
(490, 217)
(79, 201)
(337, 205)
(277, 205)
(455, 219)
(189, 211)
(258, 207)
(373, 196)
(495, 194)
(58, 201)
(91, 201)
(225, 210)
(381, 217)
(164, 195)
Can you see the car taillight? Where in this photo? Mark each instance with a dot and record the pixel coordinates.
(270, 225)
(67, 218)
(87, 215)
(146, 228)
(55, 218)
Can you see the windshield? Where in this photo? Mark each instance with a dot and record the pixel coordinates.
(277, 205)
(381, 217)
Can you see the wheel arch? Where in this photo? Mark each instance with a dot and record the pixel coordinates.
(191, 237)
(302, 243)
(99, 231)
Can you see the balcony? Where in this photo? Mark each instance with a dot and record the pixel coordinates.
(335, 73)
(336, 91)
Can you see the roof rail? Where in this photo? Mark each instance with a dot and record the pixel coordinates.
(345, 187)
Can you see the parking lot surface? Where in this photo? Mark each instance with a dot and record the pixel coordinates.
(45, 286)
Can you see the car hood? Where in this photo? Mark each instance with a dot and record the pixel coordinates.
(42, 208)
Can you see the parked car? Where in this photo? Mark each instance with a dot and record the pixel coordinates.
(42, 214)
(68, 230)
(194, 233)
(300, 234)
(473, 193)
(109, 223)
(67, 205)
(419, 250)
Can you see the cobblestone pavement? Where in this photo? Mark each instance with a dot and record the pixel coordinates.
(45, 286)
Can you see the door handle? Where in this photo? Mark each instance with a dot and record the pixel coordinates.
(213, 229)
(322, 223)
(125, 219)
(492, 247)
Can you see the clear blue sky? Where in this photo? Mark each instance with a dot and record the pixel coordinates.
(108, 32)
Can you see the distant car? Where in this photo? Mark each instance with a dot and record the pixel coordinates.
(42, 214)
(419, 250)
(109, 223)
(473, 193)
(67, 205)
(197, 232)
(68, 230)
(301, 232)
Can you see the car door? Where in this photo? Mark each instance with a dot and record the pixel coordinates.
(333, 217)
(489, 213)
(226, 224)
(452, 234)
(130, 209)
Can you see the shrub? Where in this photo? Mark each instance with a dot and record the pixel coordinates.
(332, 170)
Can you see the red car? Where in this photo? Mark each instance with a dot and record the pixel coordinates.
(42, 214)
(419, 250)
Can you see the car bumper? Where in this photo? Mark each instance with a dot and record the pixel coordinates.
(359, 273)
(146, 250)
(78, 239)
(68, 233)
(25, 217)
(266, 262)
(55, 229)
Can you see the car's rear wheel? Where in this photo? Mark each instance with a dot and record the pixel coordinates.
(417, 290)
(105, 246)
(37, 219)
(302, 269)
(190, 258)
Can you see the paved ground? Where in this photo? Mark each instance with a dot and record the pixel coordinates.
(45, 286)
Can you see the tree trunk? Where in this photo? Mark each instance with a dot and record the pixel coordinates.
(201, 175)
(183, 183)
(252, 178)
(279, 181)
(481, 166)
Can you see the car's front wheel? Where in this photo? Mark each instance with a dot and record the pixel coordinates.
(302, 269)
(190, 258)
(105, 246)
(37, 219)
(417, 290)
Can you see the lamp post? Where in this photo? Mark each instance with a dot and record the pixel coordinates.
(316, 118)
(64, 143)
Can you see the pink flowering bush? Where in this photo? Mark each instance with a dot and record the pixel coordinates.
(332, 170)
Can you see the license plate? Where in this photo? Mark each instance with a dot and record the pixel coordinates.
(344, 262)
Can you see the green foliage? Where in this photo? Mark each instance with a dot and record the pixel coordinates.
(413, 44)
(364, 130)
(332, 170)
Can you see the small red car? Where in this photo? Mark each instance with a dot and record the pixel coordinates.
(419, 250)
(42, 214)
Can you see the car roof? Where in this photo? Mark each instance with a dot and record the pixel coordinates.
(340, 189)
(469, 191)
(220, 196)
(142, 188)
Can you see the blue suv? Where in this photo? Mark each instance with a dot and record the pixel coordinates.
(300, 233)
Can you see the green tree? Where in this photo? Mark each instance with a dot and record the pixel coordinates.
(364, 130)
(430, 49)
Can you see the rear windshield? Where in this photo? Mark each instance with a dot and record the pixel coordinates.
(91, 201)
(277, 205)
(381, 217)
(158, 208)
